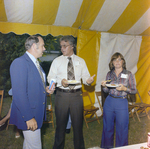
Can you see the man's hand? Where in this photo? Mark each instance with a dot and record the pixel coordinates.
(90, 80)
(64, 82)
(32, 124)
(51, 91)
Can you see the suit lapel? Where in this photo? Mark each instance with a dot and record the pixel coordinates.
(34, 68)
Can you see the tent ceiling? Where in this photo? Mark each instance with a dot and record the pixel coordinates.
(114, 16)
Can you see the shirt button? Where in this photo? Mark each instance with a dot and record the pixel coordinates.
(43, 103)
(44, 92)
(23, 116)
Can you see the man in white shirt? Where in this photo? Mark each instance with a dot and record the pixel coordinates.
(69, 100)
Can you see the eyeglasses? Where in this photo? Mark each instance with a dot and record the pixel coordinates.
(64, 46)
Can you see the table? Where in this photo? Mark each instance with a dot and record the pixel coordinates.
(134, 146)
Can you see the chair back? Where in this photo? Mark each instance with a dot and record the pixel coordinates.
(139, 96)
(86, 94)
(139, 108)
(1, 102)
(131, 98)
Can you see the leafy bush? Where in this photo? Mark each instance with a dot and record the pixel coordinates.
(12, 46)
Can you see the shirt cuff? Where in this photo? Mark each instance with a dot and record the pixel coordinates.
(128, 90)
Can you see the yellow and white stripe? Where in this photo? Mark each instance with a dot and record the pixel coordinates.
(108, 15)
(124, 17)
(20, 11)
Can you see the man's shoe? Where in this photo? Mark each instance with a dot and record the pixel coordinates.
(67, 131)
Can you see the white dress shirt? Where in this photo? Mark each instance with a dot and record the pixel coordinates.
(58, 70)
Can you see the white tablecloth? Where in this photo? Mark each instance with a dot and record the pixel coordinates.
(134, 146)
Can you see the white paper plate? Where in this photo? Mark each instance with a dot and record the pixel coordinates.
(112, 85)
(73, 81)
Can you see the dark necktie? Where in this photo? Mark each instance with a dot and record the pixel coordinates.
(70, 72)
(40, 72)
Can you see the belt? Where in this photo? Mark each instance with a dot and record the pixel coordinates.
(118, 97)
(68, 91)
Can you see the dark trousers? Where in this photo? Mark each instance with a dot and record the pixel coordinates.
(66, 103)
(115, 111)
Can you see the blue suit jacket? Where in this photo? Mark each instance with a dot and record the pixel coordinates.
(29, 95)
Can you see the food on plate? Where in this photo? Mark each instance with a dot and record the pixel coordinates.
(142, 147)
(112, 85)
(72, 81)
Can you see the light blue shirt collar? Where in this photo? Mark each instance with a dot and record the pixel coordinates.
(31, 57)
(34, 61)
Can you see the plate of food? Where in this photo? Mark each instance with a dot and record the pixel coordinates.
(112, 85)
(73, 81)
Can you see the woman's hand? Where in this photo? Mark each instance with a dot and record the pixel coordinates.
(121, 88)
(103, 83)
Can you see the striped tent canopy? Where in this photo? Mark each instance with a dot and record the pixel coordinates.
(102, 27)
(130, 17)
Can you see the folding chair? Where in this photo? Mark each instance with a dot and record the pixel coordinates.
(1, 102)
(49, 111)
(89, 110)
(141, 108)
(131, 106)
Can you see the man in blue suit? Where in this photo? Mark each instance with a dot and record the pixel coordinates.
(29, 93)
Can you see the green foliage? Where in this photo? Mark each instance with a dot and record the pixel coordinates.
(12, 46)
(51, 43)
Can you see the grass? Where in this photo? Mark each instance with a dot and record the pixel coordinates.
(92, 136)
